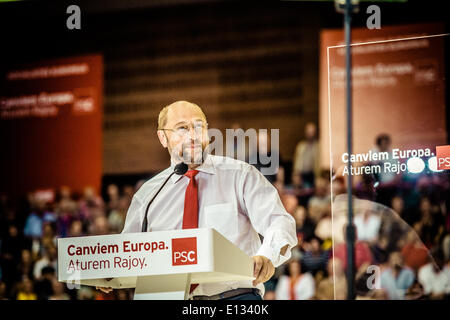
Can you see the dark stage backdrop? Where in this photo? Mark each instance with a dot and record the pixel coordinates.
(255, 67)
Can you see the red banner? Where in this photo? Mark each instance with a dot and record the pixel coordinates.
(51, 125)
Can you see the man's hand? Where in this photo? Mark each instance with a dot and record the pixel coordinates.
(263, 269)
(104, 289)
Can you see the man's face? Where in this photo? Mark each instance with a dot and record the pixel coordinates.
(310, 131)
(315, 245)
(185, 135)
(294, 268)
(396, 260)
(385, 144)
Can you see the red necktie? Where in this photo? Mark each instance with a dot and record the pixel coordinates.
(190, 216)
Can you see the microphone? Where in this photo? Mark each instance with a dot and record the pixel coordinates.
(179, 169)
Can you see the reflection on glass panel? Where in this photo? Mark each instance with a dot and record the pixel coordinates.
(401, 185)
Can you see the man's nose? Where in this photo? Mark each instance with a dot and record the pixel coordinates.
(194, 133)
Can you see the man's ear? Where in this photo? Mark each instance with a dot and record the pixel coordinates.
(162, 138)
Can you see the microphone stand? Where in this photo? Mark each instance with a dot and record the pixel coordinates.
(347, 7)
(179, 169)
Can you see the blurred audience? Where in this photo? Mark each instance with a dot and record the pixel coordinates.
(314, 258)
(319, 204)
(414, 253)
(26, 290)
(363, 254)
(396, 279)
(367, 226)
(435, 277)
(304, 225)
(306, 157)
(295, 285)
(49, 259)
(28, 255)
(334, 283)
(58, 291)
(397, 250)
(44, 285)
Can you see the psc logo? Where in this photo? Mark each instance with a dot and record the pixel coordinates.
(443, 157)
(184, 251)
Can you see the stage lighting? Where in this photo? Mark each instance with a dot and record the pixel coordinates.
(415, 165)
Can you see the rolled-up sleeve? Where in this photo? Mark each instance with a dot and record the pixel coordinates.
(133, 221)
(268, 216)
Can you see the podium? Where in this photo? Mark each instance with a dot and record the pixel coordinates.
(159, 265)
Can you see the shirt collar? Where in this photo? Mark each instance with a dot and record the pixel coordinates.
(207, 167)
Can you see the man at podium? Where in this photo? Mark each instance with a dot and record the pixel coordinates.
(228, 195)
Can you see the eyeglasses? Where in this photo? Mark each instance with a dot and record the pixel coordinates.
(183, 129)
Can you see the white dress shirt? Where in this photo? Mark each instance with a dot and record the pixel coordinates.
(234, 198)
(434, 282)
(304, 288)
(367, 228)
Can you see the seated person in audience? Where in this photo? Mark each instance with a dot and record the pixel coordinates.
(3, 294)
(314, 259)
(48, 260)
(368, 226)
(295, 285)
(435, 277)
(26, 291)
(58, 291)
(301, 191)
(320, 202)
(269, 295)
(334, 283)
(304, 225)
(362, 252)
(290, 202)
(397, 278)
(414, 252)
(430, 223)
(367, 283)
(43, 286)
